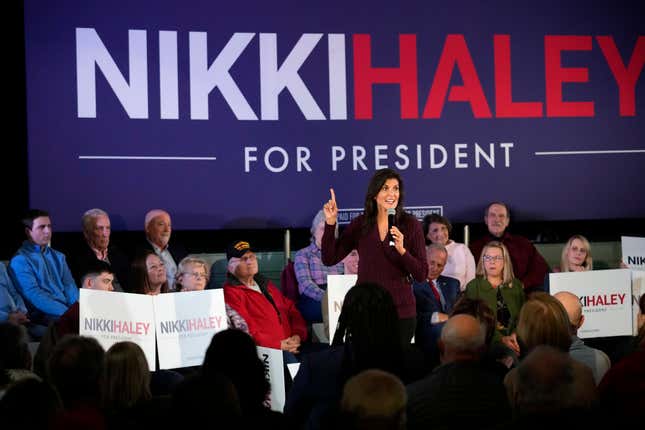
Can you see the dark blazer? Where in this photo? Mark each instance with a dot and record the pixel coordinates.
(119, 263)
(177, 250)
(427, 334)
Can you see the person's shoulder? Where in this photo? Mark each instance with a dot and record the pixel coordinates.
(448, 280)
(517, 239)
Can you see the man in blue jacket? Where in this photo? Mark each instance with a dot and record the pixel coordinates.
(40, 273)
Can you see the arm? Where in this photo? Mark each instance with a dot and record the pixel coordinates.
(306, 284)
(235, 320)
(537, 268)
(296, 321)
(71, 289)
(334, 250)
(471, 267)
(414, 258)
(28, 283)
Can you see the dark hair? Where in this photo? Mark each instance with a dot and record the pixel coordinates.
(369, 327)
(139, 279)
(439, 219)
(94, 268)
(29, 403)
(126, 379)
(233, 353)
(28, 217)
(508, 210)
(76, 369)
(14, 348)
(641, 304)
(374, 187)
(478, 309)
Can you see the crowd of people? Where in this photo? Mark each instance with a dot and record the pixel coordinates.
(434, 333)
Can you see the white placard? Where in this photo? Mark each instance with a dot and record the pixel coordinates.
(274, 372)
(633, 249)
(112, 317)
(337, 288)
(606, 298)
(185, 324)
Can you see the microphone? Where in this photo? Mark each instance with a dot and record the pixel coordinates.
(390, 223)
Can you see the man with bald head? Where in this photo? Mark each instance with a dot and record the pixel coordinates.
(462, 391)
(595, 359)
(158, 227)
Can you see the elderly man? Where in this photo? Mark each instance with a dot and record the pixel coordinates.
(158, 228)
(597, 360)
(40, 273)
(528, 265)
(435, 298)
(96, 231)
(273, 320)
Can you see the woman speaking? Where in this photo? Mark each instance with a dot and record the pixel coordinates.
(389, 256)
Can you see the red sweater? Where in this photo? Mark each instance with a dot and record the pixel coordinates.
(381, 263)
(266, 325)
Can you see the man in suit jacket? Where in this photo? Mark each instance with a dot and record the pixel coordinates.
(96, 231)
(158, 228)
(435, 298)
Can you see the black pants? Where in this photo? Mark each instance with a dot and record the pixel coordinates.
(407, 326)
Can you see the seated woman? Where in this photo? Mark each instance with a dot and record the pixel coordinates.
(148, 274)
(576, 255)
(273, 319)
(311, 273)
(496, 285)
(461, 263)
(192, 275)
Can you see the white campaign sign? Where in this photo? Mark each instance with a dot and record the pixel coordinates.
(633, 249)
(273, 362)
(606, 298)
(337, 288)
(185, 324)
(112, 317)
(638, 289)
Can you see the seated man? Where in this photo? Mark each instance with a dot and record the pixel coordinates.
(435, 298)
(528, 265)
(13, 308)
(40, 273)
(158, 229)
(273, 319)
(96, 231)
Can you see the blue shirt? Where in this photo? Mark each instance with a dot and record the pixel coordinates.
(43, 278)
(10, 300)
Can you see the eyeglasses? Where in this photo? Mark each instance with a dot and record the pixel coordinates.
(489, 258)
(196, 275)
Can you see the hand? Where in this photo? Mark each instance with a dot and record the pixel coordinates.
(291, 344)
(398, 239)
(331, 209)
(511, 342)
(17, 318)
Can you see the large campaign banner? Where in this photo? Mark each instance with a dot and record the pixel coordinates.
(606, 299)
(226, 113)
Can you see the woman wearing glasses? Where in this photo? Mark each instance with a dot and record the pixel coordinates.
(496, 285)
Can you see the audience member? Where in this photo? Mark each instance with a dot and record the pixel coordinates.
(233, 354)
(435, 298)
(75, 369)
(497, 286)
(367, 337)
(192, 275)
(158, 228)
(29, 403)
(97, 246)
(460, 263)
(595, 359)
(462, 392)
(273, 320)
(13, 308)
(529, 266)
(40, 273)
(576, 255)
(148, 274)
(311, 273)
(373, 400)
(15, 358)
(544, 321)
(622, 389)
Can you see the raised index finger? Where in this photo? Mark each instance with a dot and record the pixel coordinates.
(333, 195)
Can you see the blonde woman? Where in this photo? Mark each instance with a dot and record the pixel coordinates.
(496, 285)
(576, 255)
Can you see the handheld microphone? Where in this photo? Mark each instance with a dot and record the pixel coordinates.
(390, 223)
